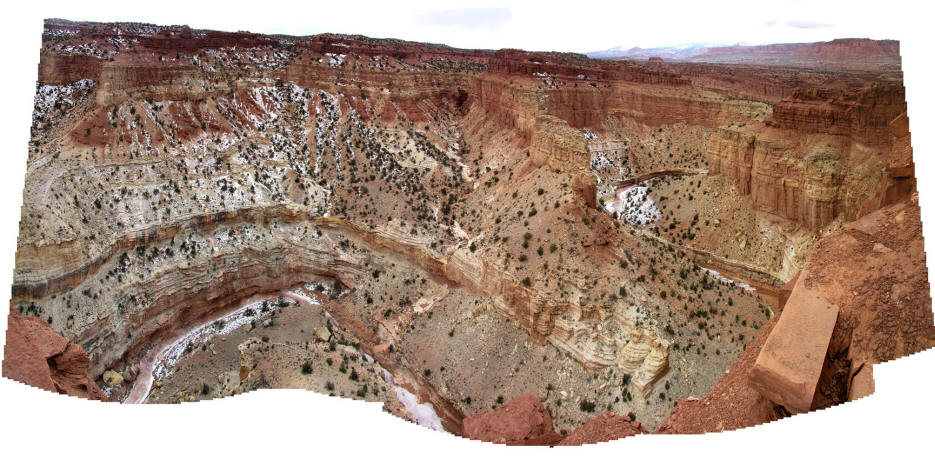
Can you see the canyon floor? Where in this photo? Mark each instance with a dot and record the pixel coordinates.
(519, 247)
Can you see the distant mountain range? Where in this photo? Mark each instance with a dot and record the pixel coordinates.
(838, 53)
(672, 53)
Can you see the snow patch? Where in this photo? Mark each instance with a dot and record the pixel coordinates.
(727, 280)
(634, 205)
(424, 414)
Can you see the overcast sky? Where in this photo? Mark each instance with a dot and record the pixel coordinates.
(572, 25)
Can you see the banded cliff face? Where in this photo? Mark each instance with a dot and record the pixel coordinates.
(822, 155)
(519, 85)
(174, 173)
(159, 230)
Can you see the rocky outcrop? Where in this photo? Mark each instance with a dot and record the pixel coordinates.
(822, 155)
(788, 367)
(58, 69)
(119, 80)
(863, 114)
(183, 39)
(565, 65)
(567, 325)
(862, 298)
(560, 147)
(517, 86)
(619, 343)
(36, 355)
(602, 428)
(555, 143)
(521, 421)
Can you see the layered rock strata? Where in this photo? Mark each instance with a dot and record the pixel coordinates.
(175, 172)
(822, 155)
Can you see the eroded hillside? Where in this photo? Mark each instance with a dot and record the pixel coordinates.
(457, 226)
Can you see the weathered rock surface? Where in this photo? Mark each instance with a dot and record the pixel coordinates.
(521, 421)
(35, 354)
(604, 427)
(789, 365)
(822, 154)
(874, 271)
(862, 299)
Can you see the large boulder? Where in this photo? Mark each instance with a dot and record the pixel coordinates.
(36, 355)
(862, 298)
(521, 421)
(112, 378)
(788, 367)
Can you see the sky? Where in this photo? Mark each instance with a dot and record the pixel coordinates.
(571, 26)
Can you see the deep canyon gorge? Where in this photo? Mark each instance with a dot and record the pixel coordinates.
(512, 246)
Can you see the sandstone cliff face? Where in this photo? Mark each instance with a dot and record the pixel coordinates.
(863, 114)
(835, 54)
(519, 85)
(118, 80)
(57, 69)
(556, 143)
(770, 85)
(852, 55)
(820, 156)
(38, 356)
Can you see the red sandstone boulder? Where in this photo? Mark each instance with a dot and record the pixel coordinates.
(604, 427)
(873, 272)
(788, 368)
(38, 356)
(521, 421)
(786, 290)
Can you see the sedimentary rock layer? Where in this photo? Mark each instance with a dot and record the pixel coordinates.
(821, 155)
(175, 172)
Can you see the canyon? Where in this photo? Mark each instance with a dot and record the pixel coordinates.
(518, 247)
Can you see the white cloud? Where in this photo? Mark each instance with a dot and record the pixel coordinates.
(468, 18)
(807, 24)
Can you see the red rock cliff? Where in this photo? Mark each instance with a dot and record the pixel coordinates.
(823, 154)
